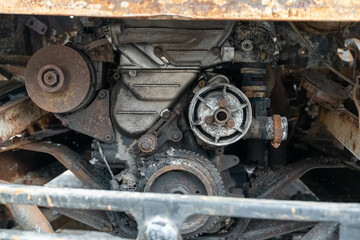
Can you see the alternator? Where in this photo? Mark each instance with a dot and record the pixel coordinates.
(220, 114)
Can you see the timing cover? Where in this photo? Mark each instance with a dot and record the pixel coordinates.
(140, 97)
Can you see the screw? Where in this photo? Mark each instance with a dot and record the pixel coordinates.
(158, 51)
(202, 83)
(116, 76)
(166, 114)
(65, 122)
(102, 94)
(51, 78)
(216, 51)
(220, 150)
(223, 103)
(230, 123)
(176, 135)
(132, 73)
(108, 138)
(209, 119)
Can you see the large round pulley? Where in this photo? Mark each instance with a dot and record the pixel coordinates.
(185, 173)
(220, 114)
(59, 79)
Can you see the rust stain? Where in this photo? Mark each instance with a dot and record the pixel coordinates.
(293, 210)
(48, 199)
(28, 197)
(109, 207)
(327, 10)
(18, 192)
(14, 237)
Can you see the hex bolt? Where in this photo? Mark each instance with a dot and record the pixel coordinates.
(176, 135)
(108, 138)
(102, 94)
(247, 45)
(230, 123)
(65, 122)
(202, 83)
(132, 73)
(209, 119)
(165, 113)
(51, 78)
(223, 103)
(215, 51)
(158, 51)
(147, 143)
(116, 76)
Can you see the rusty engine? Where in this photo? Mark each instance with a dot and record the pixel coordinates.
(210, 108)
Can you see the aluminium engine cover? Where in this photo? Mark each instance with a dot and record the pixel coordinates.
(59, 79)
(220, 114)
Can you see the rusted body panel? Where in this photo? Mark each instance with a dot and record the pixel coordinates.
(16, 116)
(316, 10)
(344, 126)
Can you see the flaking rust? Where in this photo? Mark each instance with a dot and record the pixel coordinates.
(318, 10)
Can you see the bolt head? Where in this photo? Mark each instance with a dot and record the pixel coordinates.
(102, 94)
(230, 123)
(65, 122)
(202, 83)
(176, 135)
(209, 119)
(108, 138)
(223, 103)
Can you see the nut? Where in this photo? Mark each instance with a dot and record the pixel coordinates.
(209, 119)
(230, 123)
(223, 103)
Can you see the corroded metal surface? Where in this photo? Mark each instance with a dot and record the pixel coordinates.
(16, 116)
(58, 79)
(29, 217)
(326, 10)
(344, 126)
(172, 209)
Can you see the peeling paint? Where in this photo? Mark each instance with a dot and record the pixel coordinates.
(326, 10)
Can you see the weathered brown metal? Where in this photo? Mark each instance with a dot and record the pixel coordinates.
(323, 90)
(325, 10)
(58, 79)
(16, 116)
(29, 217)
(171, 210)
(94, 120)
(344, 126)
(70, 159)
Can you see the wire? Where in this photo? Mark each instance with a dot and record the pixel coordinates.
(104, 159)
(342, 76)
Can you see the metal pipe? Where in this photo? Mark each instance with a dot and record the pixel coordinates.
(176, 208)
(6, 234)
(29, 217)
